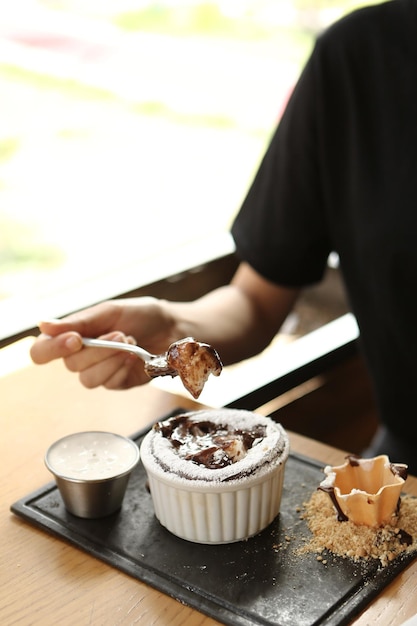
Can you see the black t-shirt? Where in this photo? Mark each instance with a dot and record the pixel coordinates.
(340, 175)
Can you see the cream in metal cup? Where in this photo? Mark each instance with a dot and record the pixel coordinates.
(92, 470)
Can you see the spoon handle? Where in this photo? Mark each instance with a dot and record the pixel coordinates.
(118, 345)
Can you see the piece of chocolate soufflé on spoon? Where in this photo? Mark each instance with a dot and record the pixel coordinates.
(189, 359)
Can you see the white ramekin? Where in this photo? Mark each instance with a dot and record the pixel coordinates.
(215, 512)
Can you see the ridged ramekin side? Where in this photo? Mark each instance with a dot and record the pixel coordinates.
(219, 516)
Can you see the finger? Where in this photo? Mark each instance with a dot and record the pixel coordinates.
(47, 348)
(56, 327)
(126, 376)
(91, 356)
(90, 322)
(115, 372)
(98, 373)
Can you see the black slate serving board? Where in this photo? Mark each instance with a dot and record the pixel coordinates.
(261, 581)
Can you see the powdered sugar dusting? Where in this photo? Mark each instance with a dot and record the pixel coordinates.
(158, 451)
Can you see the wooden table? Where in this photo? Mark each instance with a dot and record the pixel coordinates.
(45, 581)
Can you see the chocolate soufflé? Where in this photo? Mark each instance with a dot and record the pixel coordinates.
(216, 475)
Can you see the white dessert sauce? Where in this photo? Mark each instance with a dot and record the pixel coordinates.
(92, 456)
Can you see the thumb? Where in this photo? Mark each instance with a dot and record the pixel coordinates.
(47, 347)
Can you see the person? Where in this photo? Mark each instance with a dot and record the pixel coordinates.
(339, 175)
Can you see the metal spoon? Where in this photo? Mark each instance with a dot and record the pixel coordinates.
(155, 364)
(118, 345)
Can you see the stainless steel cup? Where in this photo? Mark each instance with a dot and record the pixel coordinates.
(92, 470)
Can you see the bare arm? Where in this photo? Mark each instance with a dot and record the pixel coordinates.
(239, 320)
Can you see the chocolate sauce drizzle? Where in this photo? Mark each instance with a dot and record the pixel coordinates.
(209, 444)
(396, 469)
(341, 517)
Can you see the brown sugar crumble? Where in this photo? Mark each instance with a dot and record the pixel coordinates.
(358, 542)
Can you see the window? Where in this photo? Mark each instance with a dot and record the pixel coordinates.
(131, 131)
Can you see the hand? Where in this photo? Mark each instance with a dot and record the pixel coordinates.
(137, 320)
